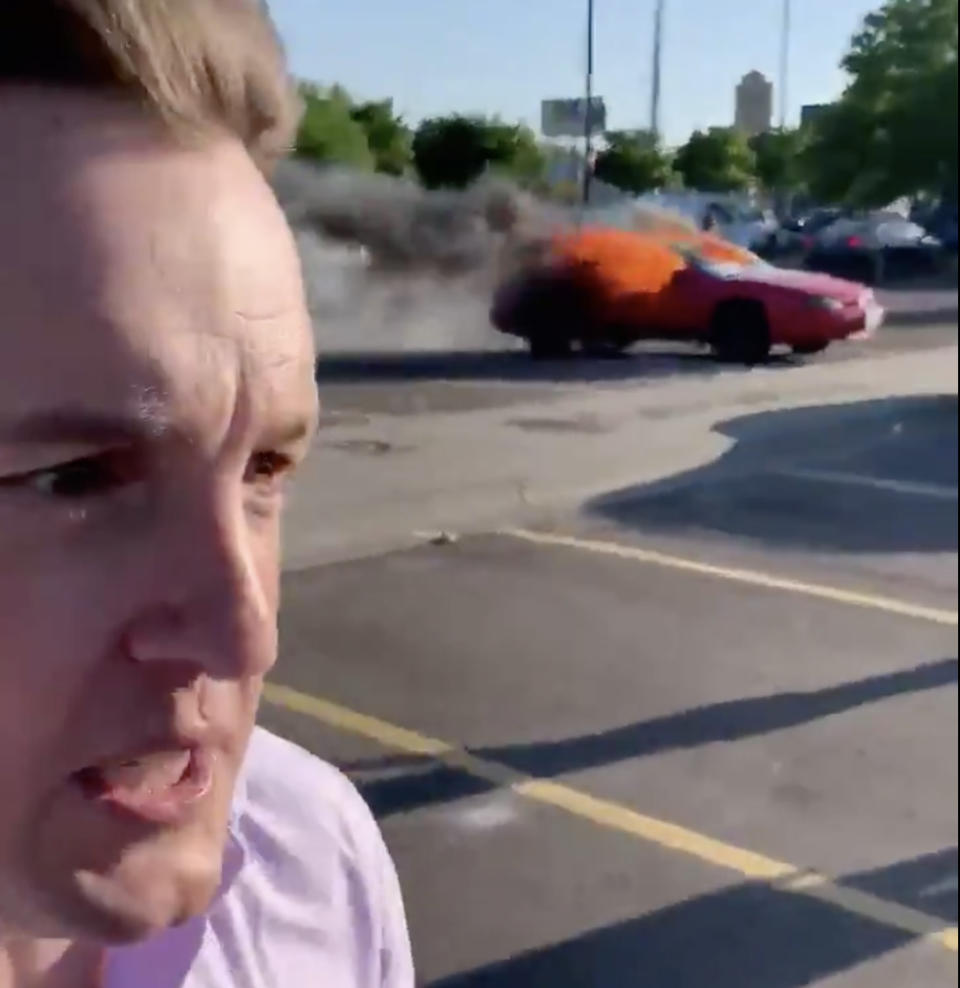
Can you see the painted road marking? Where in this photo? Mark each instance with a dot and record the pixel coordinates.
(941, 492)
(606, 813)
(768, 581)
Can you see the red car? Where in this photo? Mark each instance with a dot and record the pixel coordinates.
(605, 290)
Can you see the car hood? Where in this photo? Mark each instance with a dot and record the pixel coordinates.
(805, 281)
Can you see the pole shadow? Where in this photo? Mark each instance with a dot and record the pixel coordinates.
(408, 783)
(749, 935)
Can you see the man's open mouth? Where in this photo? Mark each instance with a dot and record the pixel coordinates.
(157, 787)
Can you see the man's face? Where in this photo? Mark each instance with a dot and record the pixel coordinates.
(156, 390)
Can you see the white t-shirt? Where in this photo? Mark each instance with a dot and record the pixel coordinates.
(309, 893)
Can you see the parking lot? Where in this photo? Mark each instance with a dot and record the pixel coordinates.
(700, 732)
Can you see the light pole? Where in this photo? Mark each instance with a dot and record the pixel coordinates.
(655, 89)
(784, 62)
(587, 121)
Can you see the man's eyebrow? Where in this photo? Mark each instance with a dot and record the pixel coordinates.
(78, 426)
(69, 425)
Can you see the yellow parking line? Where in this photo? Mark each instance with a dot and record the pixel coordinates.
(352, 722)
(768, 581)
(615, 816)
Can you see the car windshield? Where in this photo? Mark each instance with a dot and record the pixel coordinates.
(722, 269)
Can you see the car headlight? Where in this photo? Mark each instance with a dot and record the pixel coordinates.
(824, 302)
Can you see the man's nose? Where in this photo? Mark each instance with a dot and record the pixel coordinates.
(211, 604)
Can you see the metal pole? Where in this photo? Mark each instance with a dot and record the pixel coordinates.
(587, 121)
(784, 62)
(655, 90)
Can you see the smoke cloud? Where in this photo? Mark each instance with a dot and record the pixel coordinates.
(391, 266)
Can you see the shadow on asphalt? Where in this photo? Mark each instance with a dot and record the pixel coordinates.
(944, 315)
(944, 280)
(745, 936)
(516, 366)
(762, 490)
(424, 782)
(730, 720)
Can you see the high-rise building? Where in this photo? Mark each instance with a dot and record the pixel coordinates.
(754, 104)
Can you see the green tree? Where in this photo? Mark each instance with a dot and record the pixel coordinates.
(716, 160)
(838, 161)
(513, 151)
(328, 132)
(449, 151)
(894, 130)
(777, 160)
(388, 138)
(633, 161)
(455, 150)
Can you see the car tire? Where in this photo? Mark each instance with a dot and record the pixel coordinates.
(550, 309)
(606, 344)
(739, 333)
(548, 346)
(809, 349)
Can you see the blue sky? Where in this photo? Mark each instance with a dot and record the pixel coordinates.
(504, 56)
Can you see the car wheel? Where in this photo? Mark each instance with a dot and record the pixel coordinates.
(549, 308)
(603, 351)
(549, 346)
(808, 349)
(739, 333)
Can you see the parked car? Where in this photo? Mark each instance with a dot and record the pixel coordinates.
(607, 289)
(874, 248)
(943, 226)
(728, 215)
(803, 229)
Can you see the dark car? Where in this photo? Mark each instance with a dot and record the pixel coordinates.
(809, 224)
(874, 248)
(943, 226)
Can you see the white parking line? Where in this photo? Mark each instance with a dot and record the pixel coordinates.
(941, 492)
(769, 581)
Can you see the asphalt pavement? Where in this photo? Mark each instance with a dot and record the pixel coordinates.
(701, 732)
(496, 372)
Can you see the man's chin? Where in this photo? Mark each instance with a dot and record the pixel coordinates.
(143, 897)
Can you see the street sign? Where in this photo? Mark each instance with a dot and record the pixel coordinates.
(565, 117)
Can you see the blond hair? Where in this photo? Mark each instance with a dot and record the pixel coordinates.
(198, 65)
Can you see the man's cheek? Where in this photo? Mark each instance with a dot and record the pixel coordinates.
(53, 623)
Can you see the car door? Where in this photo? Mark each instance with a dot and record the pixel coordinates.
(685, 303)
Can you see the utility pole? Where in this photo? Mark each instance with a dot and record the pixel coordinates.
(587, 119)
(784, 62)
(655, 89)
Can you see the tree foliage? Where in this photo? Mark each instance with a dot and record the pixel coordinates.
(633, 161)
(716, 160)
(777, 162)
(514, 151)
(455, 150)
(449, 151)
(388, 137)
(894, 130)
(327, 132)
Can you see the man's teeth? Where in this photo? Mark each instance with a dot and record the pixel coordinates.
(151, 773)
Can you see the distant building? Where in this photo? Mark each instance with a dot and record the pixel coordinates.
(754, 104)
(810, 111)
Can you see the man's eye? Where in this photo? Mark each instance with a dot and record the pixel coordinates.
(267, 466)
(79, 479)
